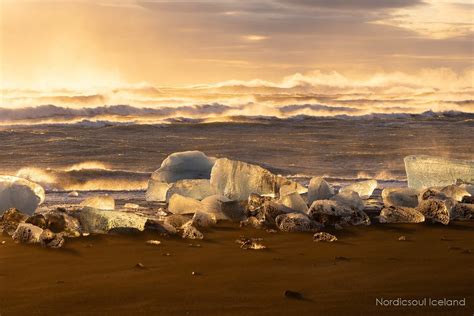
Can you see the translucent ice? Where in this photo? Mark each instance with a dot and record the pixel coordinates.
(363, 188)
(184, 165)
(396, 214)
(427, 171)
(100, 222)
(184, 205)
(223, 208)
(20, 193)
(295, 202)
(350, 199)
(403, 197)
(319, 189)
(194, 188)
(103, 202)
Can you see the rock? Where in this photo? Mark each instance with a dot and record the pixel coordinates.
(350, 199)
(203, 220)
(10, 220)
(21, 194)
(132, 206)
(398, 214)
(295, 222)
(27, 233)
(455, 192)
(436, 210)
(363, 188)
(462, 212)
(223, 208)
(426, 171)
(97, 221)
(334, 213)
(103, 202)
(184, 165)
(161, 228)
(51, 240)
(191, 232)
(184, 205)
(236, 180)
(295, 202)
(250, 243)
(157, 191)
(402, 197)
(322, 236)
(319, 189)
(194, 188)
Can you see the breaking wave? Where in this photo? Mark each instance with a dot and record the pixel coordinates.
(86, 176)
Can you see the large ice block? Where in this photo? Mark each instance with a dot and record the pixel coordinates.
(21, 194)
(427, 171)
(194, 188)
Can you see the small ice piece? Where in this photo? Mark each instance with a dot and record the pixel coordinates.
(184, 205)
(194, 188)
(27, 233)
(397, 214)
(295, 202)
(294, 222)
(73, 194)
(191, 232)
(455, 192)
(131, 206)
(184, 165)
(403, 197)
(438, 210)
(462, 212)
(322, 236)
(223, 208)
(237, 180)
(153, 242)
(95, 221)
(101, 202)
(350, 199)
(51, 240)
(21, 194)
(426, 171)
(363, 188)
(156, 191)
(203, 220)
(10, 220)
(319, 189)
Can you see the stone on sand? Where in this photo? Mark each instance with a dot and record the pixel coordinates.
(97, 221)
(427, 171)
(236, 180)
(101, 202)
(363, 188)
(402, 197)
(398, 214)
(319, 189)
(21, 194)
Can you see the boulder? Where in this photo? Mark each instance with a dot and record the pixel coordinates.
(184, 165)
(10, 220)
(363, 188)
(97, 221)
(455, 192)
(27, 233)
(179, 204)
(427, 171)
(398, 214)
(236, 180)
(157, 191)
(402, 197)
(21, 194)
(319, 189)
(102, 202)
(295, 222)
(194, 188)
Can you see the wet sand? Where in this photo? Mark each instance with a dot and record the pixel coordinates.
(97, 275)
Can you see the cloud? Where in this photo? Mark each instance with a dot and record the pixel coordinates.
(357, 4)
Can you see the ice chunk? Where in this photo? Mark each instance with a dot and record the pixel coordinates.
(184, 165)
(295, 222)
(100, 222)
(157, 190)
(203, 219)
(363, 188)
(462, 211)
(455, 192)
(319, 189)
(131, 206)
(335, 213)
(10, 220)
(437, 210)
(350, 199)
(469, 188)
(295, 202)
(403, 197)
(426, 171)
(191, 232)
(223, 208)
(396, 214)
(184, 205)
(101, 202)
(292, 187)
(27, 233)
(326, 237)
(237, 180)
(194, 188)
(21, 194)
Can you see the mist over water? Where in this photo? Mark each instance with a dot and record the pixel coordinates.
(121, 157)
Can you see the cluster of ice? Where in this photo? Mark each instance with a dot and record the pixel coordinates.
(426, 171)
(20, 193)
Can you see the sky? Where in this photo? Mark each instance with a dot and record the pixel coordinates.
(91, 47)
